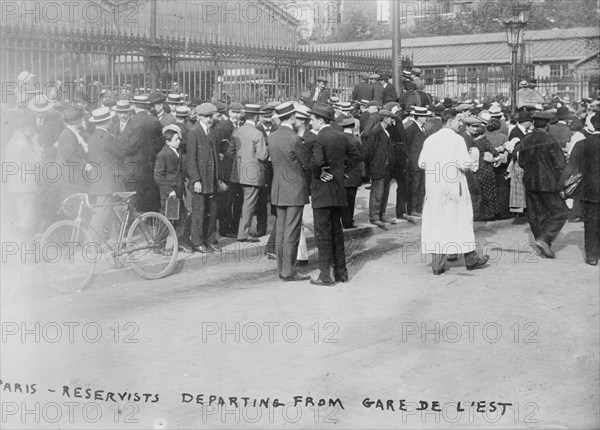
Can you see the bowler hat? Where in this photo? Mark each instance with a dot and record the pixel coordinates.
(72, 115)
(448, 103)
(544, 115)
(323, 110)
(101, 114)
(284, 110)
(524, 116)
(195, 102)
(156, 98)
(122, 106)
(252, 109)
(206, 109)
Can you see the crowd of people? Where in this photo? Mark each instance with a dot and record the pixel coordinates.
(227, 164)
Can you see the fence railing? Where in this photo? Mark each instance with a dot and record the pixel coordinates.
(201, 68)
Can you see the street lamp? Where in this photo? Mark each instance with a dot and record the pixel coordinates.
(514, 32)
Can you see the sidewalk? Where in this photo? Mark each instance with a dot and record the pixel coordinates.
(234, 251)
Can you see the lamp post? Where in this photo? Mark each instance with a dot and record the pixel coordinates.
(514, 32)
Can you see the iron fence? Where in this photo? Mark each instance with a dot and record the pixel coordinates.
(121, 64)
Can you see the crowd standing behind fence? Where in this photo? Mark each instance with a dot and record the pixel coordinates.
(98, 143)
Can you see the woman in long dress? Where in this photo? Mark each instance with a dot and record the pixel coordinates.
(486, 177)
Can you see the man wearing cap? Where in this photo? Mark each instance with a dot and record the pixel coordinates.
(560, 130)
(106, 157)
(332, 158)
(379, 152)
(289, 191)
(230, 200)
(447, 226)
(416, 78)
(389, 91)
(377, 88)
(319, 93)
(362, 90)
(203, 171)
(248, 170)
(543, 161)
(415, 136)
(141, 145)
(22, 150)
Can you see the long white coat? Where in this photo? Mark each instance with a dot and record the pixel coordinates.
(447, 225)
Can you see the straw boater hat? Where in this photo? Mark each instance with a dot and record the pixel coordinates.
(420, 111)
(252, 109)
(101, 114)
(39, 105)
(284, 110)
(345, 106)
(302, 112)
(484, 116)
(174, 99)
(122, 106)
(141, 100)
(495, 110)
(182, 111)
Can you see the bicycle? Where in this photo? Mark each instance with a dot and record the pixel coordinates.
(70, 251)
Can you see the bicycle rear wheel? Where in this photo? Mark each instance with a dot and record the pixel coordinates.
(152, 246)
(68, 257)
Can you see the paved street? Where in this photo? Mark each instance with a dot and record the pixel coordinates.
(520, 337)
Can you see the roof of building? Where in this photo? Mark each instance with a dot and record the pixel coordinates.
(487, 48)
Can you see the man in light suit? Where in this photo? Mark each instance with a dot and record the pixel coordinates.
(249, 169)
(332, 157)
(289, 192)
(203, 170)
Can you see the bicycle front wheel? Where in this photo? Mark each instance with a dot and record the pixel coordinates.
(152, 246)
(68, 257)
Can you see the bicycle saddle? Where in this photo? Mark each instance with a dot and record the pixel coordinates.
(124, 194)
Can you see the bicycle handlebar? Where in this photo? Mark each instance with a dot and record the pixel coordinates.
(83, 197)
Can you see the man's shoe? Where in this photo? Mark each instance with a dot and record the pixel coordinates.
(271, 256)
(591, 262)
(380, 224)
(321, 283)
(479, 264)
(438, 272)
(453, 257)
(301, 263)
(186, 249)
(214, 248)
(348, 227)
(249, 239)
(341, 278)
(231, 235)
(544, 248)
(295, 278)
(260, 234)
(202, 249)
(578, 219)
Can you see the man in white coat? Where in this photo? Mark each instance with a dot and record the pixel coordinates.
(447, 226)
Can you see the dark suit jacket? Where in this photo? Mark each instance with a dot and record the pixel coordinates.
(202, 164)
(389, 94)
(106, 157)
(323, 96)
(48, 132)
(224, 131)
(433, 125)
(353, 178)
(414, 143)
(377, 92)
(362, 91)
(516, 132)
(71, 159)
(398, 138)
(378, 153)
(135, 157)
(169, 172)
(289, 159)
(543, 161)
(585, 158)
(331, 149)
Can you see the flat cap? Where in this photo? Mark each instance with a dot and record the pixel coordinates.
(206, 109)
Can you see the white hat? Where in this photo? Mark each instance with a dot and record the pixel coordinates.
(172, 127)
(25, 76)
(101, 114)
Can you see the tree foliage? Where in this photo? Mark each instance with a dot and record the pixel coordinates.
(449, 17)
